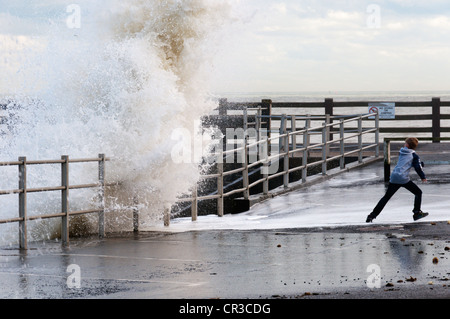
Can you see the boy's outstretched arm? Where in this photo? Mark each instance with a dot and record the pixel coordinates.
(418, 167)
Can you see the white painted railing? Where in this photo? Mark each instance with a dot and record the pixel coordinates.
(289, 147)
(23, 190)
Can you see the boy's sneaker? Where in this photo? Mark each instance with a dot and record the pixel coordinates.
(420, 214)
(369, 219)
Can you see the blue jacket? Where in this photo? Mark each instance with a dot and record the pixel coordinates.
(407, 159)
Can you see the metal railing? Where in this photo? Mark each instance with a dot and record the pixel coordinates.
(288, 147)
(64, 188)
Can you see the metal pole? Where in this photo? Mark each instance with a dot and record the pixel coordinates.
(101, 180)
(265, 168)
(307, 126)
(305, 151)
(266, 108)
(377, 134)
(286, 161)
(387, 160)
(245, 119)
(329, 105)
(23, 203)
(245, 179)
(194, 204)
(282, 131)
(135, 215)
(294, 136)
(329, 136)
(283, 148)
(324, 149)
(220, 185)
(166, 216)
(65, 200)
(342, 144)
(360, 139)
(223, 105)
(258, 120)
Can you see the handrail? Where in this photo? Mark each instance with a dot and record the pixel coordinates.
(39, 162)
(287, 149)
(23, 190)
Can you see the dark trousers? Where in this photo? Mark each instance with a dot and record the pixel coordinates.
(392, 189)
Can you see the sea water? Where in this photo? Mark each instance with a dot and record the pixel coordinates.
(112, 77)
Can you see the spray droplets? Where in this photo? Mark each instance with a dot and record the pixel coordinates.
(132, 75)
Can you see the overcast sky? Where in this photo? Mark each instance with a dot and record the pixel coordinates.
(334, 45)
(306, 45)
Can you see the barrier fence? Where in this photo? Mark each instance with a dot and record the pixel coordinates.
(268, 146)
(260, 153)
(64, 188)
(429, 119)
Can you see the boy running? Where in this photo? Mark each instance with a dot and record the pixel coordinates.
(400, 178)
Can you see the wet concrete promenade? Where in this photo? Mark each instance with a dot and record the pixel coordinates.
(412, 262)
(311, 243)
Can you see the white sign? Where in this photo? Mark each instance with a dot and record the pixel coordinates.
(386, 111)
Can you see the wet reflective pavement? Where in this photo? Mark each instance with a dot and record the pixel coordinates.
(413, 262)
(385, 259)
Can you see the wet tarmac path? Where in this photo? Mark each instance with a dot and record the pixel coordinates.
(369, 261)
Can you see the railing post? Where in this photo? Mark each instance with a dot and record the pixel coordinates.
(283, 148)
(307, 126)
(223, 104)
(360, 157)
(377, 134)
(266, 111)
(436, 119)
(328, 120)
(282, 131)
(65, 200)
(294, 136)
(135, 215)
(286, 161)
(324, 149)
(264, 151)
(387, 160)
(245, 112)
(166, 216)
(329, 104)
(220, 185)
(101, 181)
(342, 144)
(305, 151)
(245, 179)
(23, 243)
(194, 204)
(258, 121)
(258, 128)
